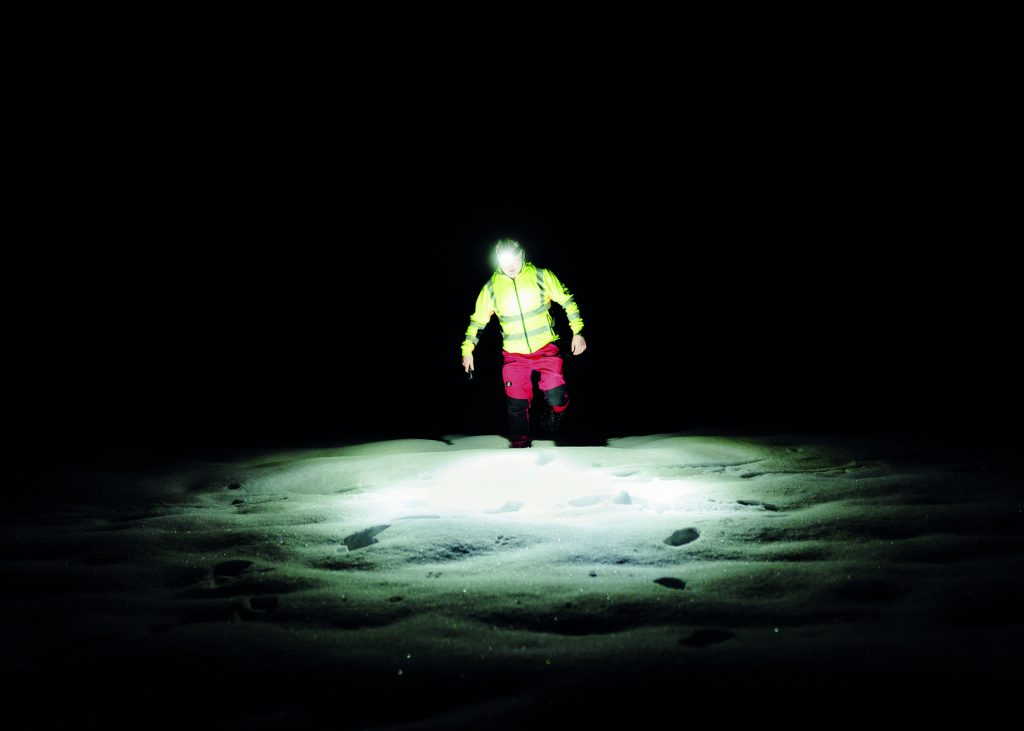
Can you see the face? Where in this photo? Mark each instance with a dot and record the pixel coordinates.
(511, 265)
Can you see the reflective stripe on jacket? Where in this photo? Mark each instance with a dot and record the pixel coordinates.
(522, 306)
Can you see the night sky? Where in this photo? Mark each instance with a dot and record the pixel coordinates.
(249, 260)
(309, 315)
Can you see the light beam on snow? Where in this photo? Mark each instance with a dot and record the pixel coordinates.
(534, 482)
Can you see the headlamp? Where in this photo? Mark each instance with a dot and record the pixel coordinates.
(505, 258)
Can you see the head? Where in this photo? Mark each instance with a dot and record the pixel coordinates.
(510, 256)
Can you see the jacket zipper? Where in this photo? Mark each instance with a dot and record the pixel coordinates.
(522, 318)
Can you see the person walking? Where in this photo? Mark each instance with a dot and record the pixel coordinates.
(520, 294)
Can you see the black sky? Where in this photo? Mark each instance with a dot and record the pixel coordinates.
(251, 257)
(280, 314)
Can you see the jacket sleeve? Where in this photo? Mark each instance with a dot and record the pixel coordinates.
(478, 320)
(558, 293)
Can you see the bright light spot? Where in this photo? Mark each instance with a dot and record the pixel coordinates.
(535, 481)
(507, 258)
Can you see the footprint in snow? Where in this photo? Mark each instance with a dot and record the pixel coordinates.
(670, 582)
(363, 538)
(683, 536)
(510, 507)
(234, 567)
(706, 637)
(766, 506)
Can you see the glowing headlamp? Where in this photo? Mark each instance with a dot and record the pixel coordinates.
(506, 258)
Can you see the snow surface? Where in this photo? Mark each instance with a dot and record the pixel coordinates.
(461, 584)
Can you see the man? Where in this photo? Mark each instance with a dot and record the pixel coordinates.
(521, 294)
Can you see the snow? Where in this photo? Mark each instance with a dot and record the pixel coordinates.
(460, 584)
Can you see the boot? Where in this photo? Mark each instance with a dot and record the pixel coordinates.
(554, 421)
(519, 422)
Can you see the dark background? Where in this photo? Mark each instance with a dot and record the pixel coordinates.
(240, 249)
(304, 318)
(254, 232)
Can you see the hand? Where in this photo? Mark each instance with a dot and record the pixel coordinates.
(467, 363)
(578, 344)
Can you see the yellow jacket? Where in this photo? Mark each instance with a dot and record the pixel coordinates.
(522, 305)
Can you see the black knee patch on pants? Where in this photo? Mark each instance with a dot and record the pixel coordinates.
(557, 396)
(518, 416)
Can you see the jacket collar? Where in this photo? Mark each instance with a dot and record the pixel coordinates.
(528, 268)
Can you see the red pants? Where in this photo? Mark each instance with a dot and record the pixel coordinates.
(518, 374)
(518, 371)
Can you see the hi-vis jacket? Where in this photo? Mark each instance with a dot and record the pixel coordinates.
(522, 305)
